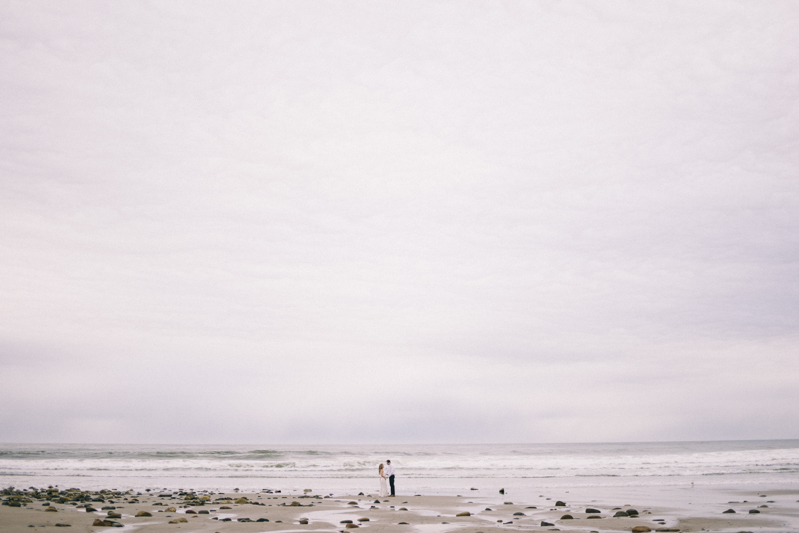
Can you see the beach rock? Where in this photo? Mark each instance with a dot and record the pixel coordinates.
(464, 513)
(508, 503)
(304, 521)
(632, 512)
(364, 519)
(242, 500)
(90, 509)
(191, 511)
(113, 514)
(403, 509)
(244, 520)
(173, 509)
(667, 530)
(403, 523)
(105, 523)
(518, 514)
(591, 510)
(560, 504)
(63, 525)
(729, 511)
(141, 514)
(567, 517)
(346, 522)
(620, 514)
(641, 529)
(754, 511)
(51, 510)
(594, 517)
(762, 506)
(502, 491)
(108, 508)
(352, 526)
(377, 501)
(544, 523)
(352, 503)
(204, 511)
(262, 520)
(180, 520)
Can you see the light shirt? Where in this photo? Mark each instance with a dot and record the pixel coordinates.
(389, 470)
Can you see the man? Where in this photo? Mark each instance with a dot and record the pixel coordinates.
(390, 474)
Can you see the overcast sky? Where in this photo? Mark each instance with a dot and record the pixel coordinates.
(399, 221)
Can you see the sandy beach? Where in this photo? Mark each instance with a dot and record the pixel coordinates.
(274, 511)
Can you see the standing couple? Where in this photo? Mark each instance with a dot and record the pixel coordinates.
(386, 473)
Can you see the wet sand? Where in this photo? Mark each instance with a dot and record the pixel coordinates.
(265, 512)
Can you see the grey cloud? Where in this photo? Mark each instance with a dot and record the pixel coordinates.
(511, 220)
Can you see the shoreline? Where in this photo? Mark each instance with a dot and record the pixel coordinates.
(314, 510)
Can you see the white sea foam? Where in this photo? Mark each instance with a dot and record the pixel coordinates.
(582, 464)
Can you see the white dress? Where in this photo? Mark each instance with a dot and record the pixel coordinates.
(383, 486)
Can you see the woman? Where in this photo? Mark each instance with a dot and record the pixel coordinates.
(383, 486)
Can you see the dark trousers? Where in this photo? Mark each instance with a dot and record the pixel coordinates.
(391, 484)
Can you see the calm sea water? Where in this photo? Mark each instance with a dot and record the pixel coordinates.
(433, 469)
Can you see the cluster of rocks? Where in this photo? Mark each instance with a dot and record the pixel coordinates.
(79, 498)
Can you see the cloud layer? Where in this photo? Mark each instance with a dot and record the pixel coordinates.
(399, 222)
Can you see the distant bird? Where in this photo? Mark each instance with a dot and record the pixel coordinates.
(502, 491)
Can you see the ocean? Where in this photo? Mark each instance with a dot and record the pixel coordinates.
(524, 469)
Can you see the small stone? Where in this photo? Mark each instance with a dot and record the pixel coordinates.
(464, 513)
(641, 529)
(754, 511)
(594, 517)
(113, 514)
(620, 514)
(518, 514)
(242, 500)
(173, 510)
(729, 511)
(141, 514)
(560, 504)
(346, 522)
(544, 523)
(180, 520)
(567, 517)
(90, 509)
(632, 512)
(63, 525)
(51, 510)
(352, 526)
(364, 519)
(191, 511)
(592, 510)
(304, 521)
(262, 520)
